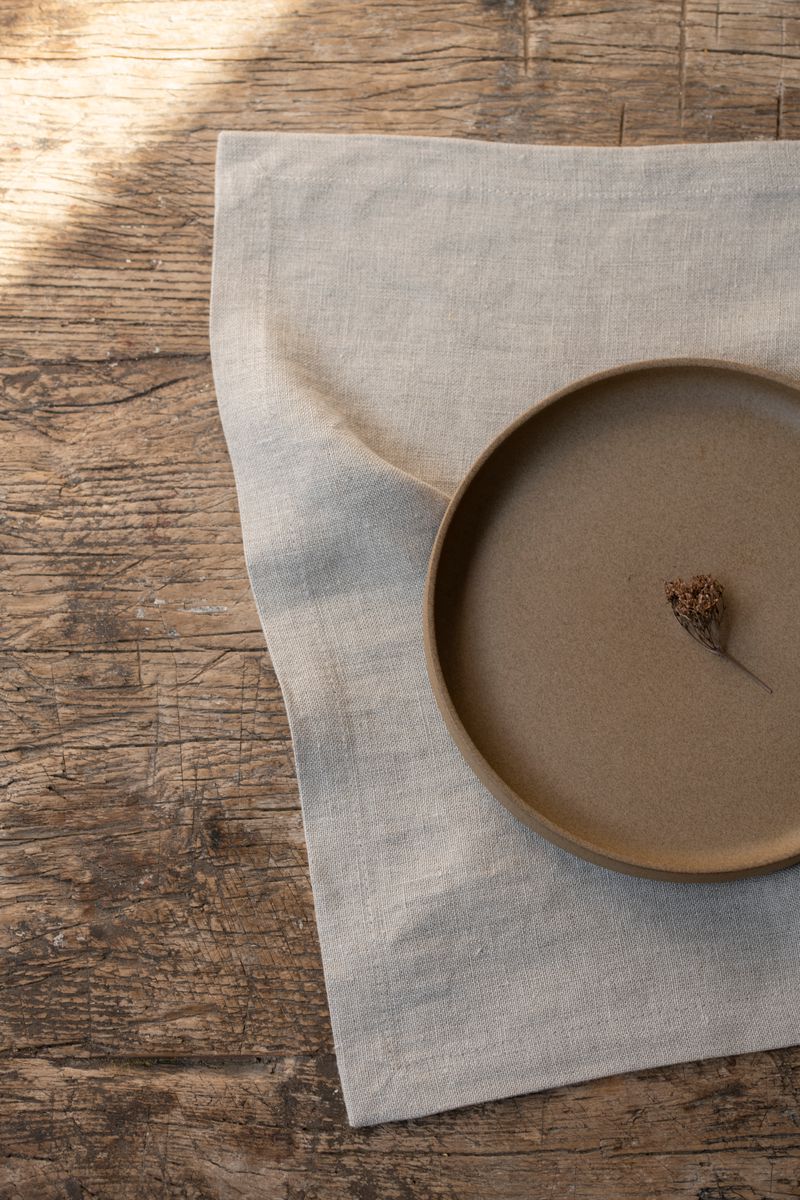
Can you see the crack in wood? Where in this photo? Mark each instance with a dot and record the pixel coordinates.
(682, 25)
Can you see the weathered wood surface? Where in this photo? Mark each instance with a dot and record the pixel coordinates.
(163, 1026)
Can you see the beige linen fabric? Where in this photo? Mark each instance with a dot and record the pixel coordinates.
(381, 308)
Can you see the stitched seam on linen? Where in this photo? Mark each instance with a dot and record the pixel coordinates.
(376, 960)
(407, 1063)
(326, 666)
(470, 192)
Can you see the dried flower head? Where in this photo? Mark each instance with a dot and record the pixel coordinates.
(699, 607)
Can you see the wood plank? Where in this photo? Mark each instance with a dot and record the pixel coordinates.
(120, 519)
(275, 1128)
(163, 1028)
(156, 892)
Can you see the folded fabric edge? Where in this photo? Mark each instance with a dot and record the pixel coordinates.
(423, 1095)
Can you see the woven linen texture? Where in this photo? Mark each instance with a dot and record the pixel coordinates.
(381, 308)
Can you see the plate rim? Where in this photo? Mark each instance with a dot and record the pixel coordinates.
(481, 767)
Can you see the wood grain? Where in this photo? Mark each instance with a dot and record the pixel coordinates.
(163, 1026)
(273, 1127)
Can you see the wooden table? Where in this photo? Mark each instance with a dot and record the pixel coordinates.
(164, 1025)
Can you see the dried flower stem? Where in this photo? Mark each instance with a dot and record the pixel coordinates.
(699, 607)
(747, 671)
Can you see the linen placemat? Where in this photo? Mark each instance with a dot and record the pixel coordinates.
(381, 308)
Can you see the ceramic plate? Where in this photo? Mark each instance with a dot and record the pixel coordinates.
(557, 662)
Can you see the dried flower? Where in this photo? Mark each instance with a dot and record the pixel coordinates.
(699, 607)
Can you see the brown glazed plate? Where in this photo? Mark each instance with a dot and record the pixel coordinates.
(558, 665)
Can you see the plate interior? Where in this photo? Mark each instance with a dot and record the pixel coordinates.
(565, 677)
